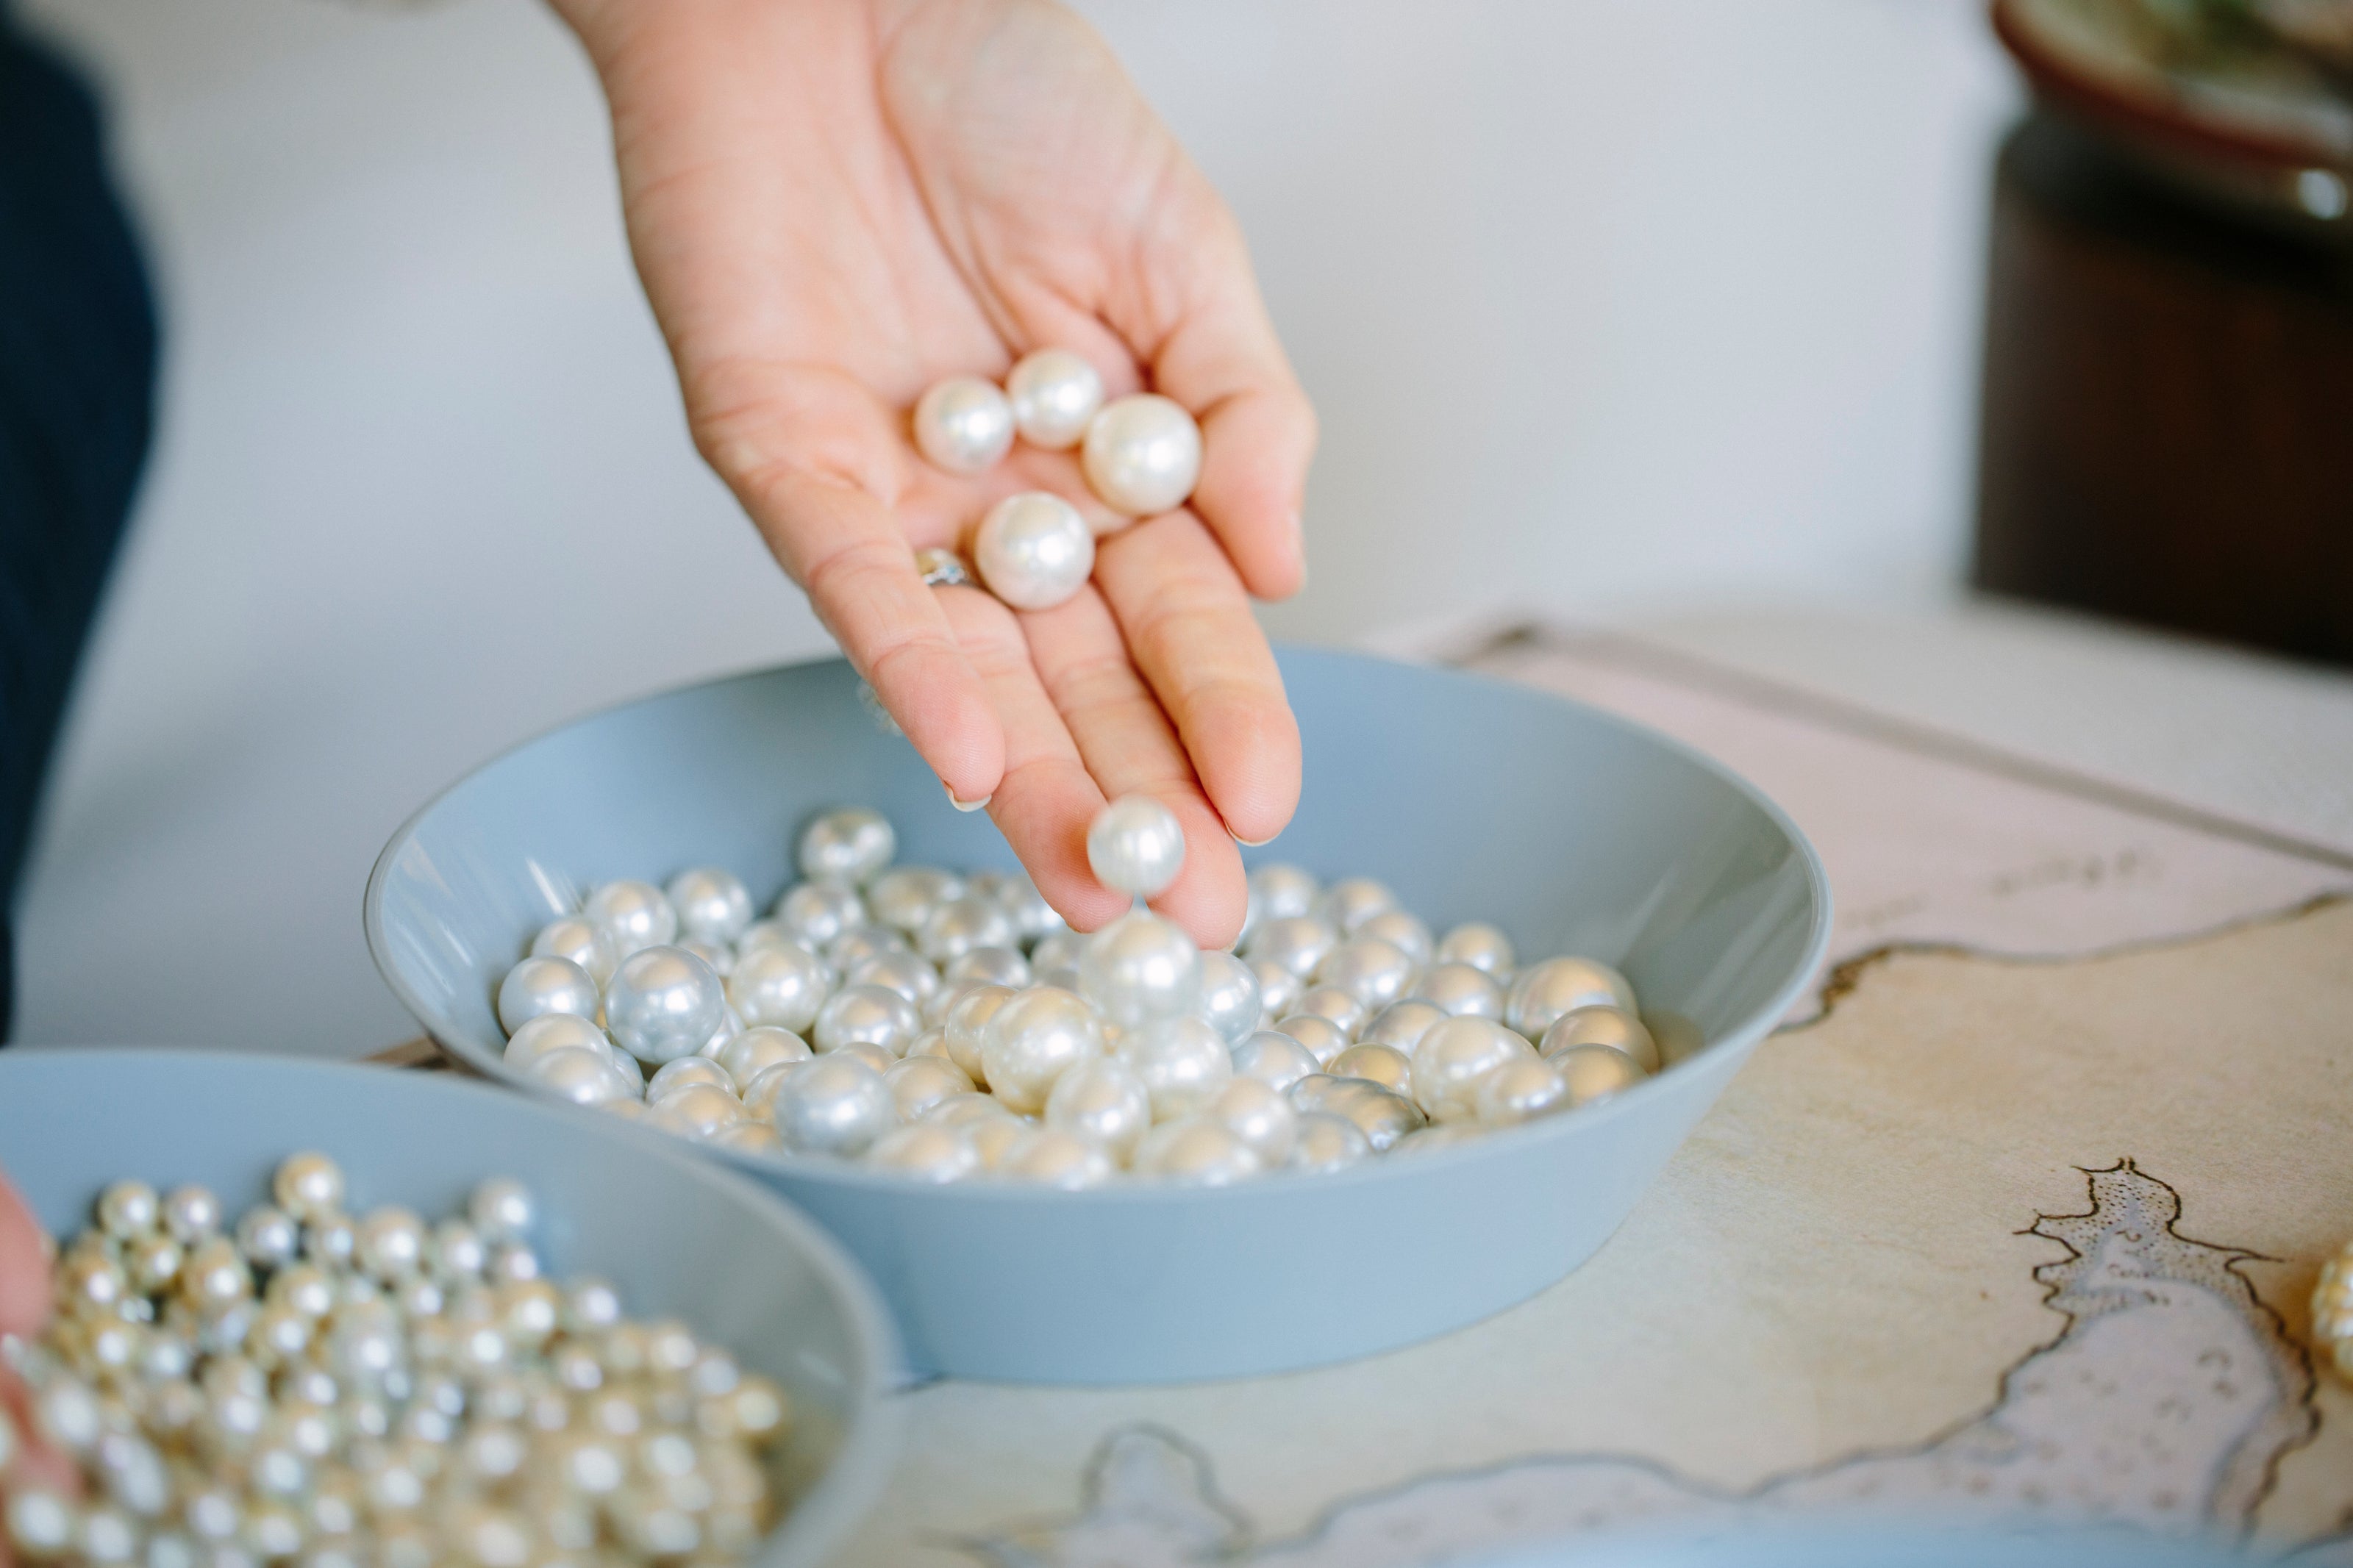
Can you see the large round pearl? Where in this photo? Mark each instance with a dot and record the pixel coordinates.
(633, 914)
(928, 1153)
(713, 905)
(902, 897)
(1323, 1039)
(1141, 967)
(849, 844)
(1033, 550)
(966, 1023)
(555, 1032)
(1181, 1062)
(959, 926)
(1401, 929)
(780, 985)
(1280, 891)
(1196, 1151)
(1384, 1065)
(1258, 1113)
(1401, 1023)
(1541, 993)
(1230, 1003)
(1273, 1058)
(1451, 1061)
(1595, 1072)
(1603, 1025)
(834, 1105)
(581, 941)
(1031, 1040)
(963, 424)
(859, 944)
(987, 966)
(1381, 1115)
(1326, 1142)
(1054, 393)
(542, 985)
(1278, 990)
(866, 1015)
(814, 913)
(1142, 454)
(310, 1186)
(1050, 1157)
(1349, 903)
(685, 1072)
(1103, 1101)
(1372, 971)
(904, 973)
(1347, 1014)
(1520, 1091)
(1297, 942)
(1135, 846)
(1479, 945)
(582, 1077)
(1461, 990)
(919, 1083)
(756, 1050)
(663, 1004)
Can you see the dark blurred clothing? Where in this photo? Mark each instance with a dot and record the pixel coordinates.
(77, 387)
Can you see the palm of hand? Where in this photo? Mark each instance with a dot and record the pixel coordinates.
(833, 205)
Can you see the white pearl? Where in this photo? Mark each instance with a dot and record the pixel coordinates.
(685, 1071)
(126, 1209)
(1033, 550)
(502, 1209)
(1280, 891)
(1273, 1058)
(987, 966)
(1461, 990)
(919, 1083)
(633, 914)
(876, 1057)
(859, 944)
(581, 941)
(849, 844)
(749, 1137)
(1182, 1062)
(963, 424)
(541, 985)
(699, 1110)
(1372, 971)
(190, 1214)
(712, 904)
(663, 1004)
(1451, 1061)
(1521, 1091)
(389, 1242)
(814, 913)
(763, 1046)
(1326, 1142)
(1031, 1040)
(1479, 945)
(1384, 1065)
(1541, 993)
(904, 973)
(1603, 1025)
(1142, 454)
(1103, 1101)
(1259, 1114)
(1401, 929)
(1141, 967)
(1230, 1002)
(308, 1185)
(1595, 1072)
(1401, 1023)
(1382, 1116)
(1135, 846)
(961, 926)
(1349, 903)
(781, 984)
(1050, 1157)
(834, 1105)
(1054, 393)
(964, 1023)
(902, 897)
(927, 1152)
(934, 1041)
(719, 955)
(1196, 1150)
(1323, 1039)
(1296, 942)
(1278, 990)
(1342, 1008)
(561, 1031)
(866, 1015)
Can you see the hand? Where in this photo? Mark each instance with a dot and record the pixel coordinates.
(24, 1308)
(835, 203)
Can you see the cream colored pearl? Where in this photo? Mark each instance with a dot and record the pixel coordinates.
(965, 1024)
(1384, 1065)
(1182, 1064)
(1273, 1058)
(1596, 1072)
(1052, 1158)
(1196, 1150)
(1324, 1141)
(1541, 993)
(1031, 1040)
(763, 1046)
(926, 1152)
(1349, 903)
(1103, 1101)
(1135, 846)
(919, 1083)
(1520, 1091)
(1451, 1061)
(1033, 550)
(1055, 395)
(1461, 990)
(1372, 971)
(1340, 1007)
(1383, 1117)
(1143, 455)
(1141, 967)
(963, 424)
(1479, 944)
(1401, 1025)
(1323, 1039)
(1259, 1114)
(1603, 1025)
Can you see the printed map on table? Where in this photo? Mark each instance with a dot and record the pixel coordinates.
(2018, 1219)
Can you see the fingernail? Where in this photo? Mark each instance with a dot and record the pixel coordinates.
(1254, 843)
(964, 805)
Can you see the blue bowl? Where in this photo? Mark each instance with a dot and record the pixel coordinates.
(1576, 831)
(675, 1235)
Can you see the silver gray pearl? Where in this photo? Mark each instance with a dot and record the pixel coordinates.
(963, 925)
(814, 913)
(1135, 846)
(866, 1015)
(712, 904)
(905, 897)
(1141, 967)
(781, 984)
(538, 986)
(1402, 1025)
(1274, 1058)
(1479, 945)
(1324, 1141)
(834, 1105)
(663, 1004)
(1459, 991)
(1541, 993)
(1296, 942)
(987, 966)
(1603, 1025)
(1282, 892)
(1351, 902)
(1230, 1003)
(1323, 1039)
(1375, 973)
(850, 844)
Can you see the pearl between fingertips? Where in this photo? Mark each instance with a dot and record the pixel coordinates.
(1054, 395)
(963, 424)
(1143, 455)
(1033, 550)
(1135, 846)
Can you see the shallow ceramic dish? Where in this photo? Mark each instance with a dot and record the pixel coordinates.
(675, 1235)
(1576, 831)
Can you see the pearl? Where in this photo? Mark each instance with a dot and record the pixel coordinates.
(1141, 967)
(190, 1214)
(872, 1055)
(266, 1236)
(904, 898)
(961, 926)
(1058, 950)
(1142, 454)
(780, 985)
(1323, 1039)
(1383, 1117)
(1054, 395)
(1182, 1062)
(904, 973)
(1603, 1025)
(1033, 917)
(847, 844)
(968, 1111)
(927, 1152)
(1197, 1152)
(1520, 1091)
(1034, 550)
(1436, 1136)
(389, 1242)
(309, 1185)
(1340, 1007)
(1231, 1000)
(1595, 1072)
(1326, 1142)
(1401, 929)
(834, 1105)
(697, 1111)
(126, 1209)
(987, 966)
(1451, 1061)
(1135, 846)
(866, 1015)
(1401, 1023)
(1459, 990)
(1296, 942)
(1051, 1157)
(964, 1023)
(1103, 1101)
(814, 913)
(688, 1071)
(919, 1083)
(663, 1004)
(1280, 891)
(633, 914)
(502, 1209)
(1349, 903)
(578, 940)
(756, 1049)
(41, 1522)
(556, 1032)
(712, 904)
(1258, 1113)
(1479, 945)
(1541, 993)
(1273, 1058)
(1030, 1040)
(538, 986)
(1384, 1065)
(963, 424)
(749, 1137)
(1372, 971)
(1278, 990)
(859, 944)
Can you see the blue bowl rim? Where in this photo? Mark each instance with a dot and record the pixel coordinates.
(1739, 1037)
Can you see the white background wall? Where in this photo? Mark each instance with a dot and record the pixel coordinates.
(1617, 306)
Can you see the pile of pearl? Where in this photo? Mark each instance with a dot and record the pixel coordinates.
(1141, 455)
(950, 1027)
(302, 1385)
(2332, 1310)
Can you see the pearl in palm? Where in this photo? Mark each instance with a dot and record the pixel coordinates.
(581, 941)
(664, 1003)
(1031, 1040)
(1135, 846)
(1231, 1000)
(712, 904)
(633, 914)
(1033, 550)
(1142, 454)
(542, 986)
(1105, 1102)
(1273, 1058)
(963, 424)
(1055, 395)
(1141, 967)
(834, 1105)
